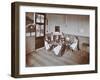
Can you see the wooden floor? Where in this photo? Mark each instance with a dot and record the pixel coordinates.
(43, 57)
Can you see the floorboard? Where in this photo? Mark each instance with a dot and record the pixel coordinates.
(43, 57)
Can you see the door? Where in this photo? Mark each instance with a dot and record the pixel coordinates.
(40, 30)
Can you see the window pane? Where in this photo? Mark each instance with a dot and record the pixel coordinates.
(37, 30)
(42, 30)
(38, 18)
(42, 18)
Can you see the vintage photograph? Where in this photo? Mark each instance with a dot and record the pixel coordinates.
(53, 39)
(56, 39)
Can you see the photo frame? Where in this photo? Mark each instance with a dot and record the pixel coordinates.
(35, 53)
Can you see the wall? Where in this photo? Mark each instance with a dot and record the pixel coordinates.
(30, 38)
(5, 40)
(69, 24)
(30, 44)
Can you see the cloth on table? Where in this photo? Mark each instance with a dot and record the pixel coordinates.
(73, 46)
(47, 45)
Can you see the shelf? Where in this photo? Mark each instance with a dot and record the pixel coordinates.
(39, 23)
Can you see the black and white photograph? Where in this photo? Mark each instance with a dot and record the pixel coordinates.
(57, 39)
(51, 39)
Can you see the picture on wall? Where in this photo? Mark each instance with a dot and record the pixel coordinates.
(51, 39)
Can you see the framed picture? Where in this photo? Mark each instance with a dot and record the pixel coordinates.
(53, 39)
